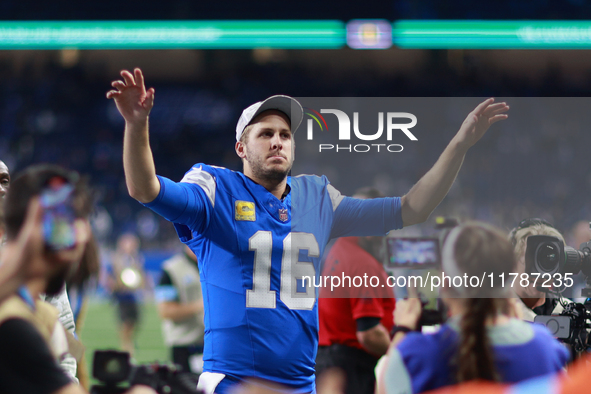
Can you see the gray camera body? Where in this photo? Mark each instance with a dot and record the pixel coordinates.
(559, 326)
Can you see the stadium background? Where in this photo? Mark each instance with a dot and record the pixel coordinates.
(53, 109)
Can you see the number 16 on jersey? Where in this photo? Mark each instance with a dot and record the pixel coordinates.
(292, 270)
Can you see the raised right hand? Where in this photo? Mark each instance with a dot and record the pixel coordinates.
(132, 100)
(22, 257)
(479, 120)
(407, 313)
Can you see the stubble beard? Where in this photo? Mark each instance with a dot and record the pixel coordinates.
(273, 174)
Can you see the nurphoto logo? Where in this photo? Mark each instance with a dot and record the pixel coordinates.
(395, 122)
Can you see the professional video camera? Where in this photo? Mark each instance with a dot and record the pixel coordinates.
(554, 264)
(571, 326)
(550, 258)
(113, 368)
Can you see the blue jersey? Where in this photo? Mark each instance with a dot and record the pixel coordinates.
(522, 351)
(254, 253)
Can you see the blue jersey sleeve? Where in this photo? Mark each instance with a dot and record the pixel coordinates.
(358, 217)
(189, 202)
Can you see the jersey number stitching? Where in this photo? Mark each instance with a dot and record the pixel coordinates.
(261, 295)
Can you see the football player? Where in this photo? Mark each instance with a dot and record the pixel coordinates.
(259, 232)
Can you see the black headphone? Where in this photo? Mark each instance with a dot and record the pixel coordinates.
(525, 223)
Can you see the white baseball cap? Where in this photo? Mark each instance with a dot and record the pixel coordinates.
(288, 105)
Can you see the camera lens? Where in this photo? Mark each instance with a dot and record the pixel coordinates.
(113, 366)
(547, 256)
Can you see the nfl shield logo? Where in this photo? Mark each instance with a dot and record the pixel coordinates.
(283, 215)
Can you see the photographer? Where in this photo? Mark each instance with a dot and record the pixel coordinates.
(59, 301)
(180, 306)
(31, 339)
(481, 340)
(533, 301)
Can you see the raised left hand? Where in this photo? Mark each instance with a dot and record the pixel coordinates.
(479, 120)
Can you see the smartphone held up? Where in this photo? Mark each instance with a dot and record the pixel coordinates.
(58, 215)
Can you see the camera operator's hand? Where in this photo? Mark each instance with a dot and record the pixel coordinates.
(408, 313)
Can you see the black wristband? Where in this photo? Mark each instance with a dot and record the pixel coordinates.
(397, 329)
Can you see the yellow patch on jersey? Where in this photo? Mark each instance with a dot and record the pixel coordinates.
(245, 211)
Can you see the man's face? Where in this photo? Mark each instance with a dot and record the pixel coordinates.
(268, 149)
(4, 179)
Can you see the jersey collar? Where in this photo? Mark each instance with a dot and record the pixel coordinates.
(287, 189)
(285, 194)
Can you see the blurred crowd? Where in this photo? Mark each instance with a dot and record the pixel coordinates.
(60, 115)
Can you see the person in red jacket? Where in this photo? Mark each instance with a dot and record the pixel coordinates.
(355, 321)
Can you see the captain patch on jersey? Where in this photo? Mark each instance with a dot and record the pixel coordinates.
(245, 211)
